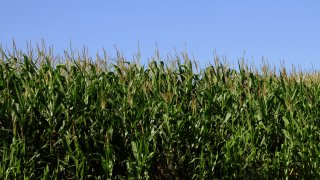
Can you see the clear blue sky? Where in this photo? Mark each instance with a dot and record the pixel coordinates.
(285, 30)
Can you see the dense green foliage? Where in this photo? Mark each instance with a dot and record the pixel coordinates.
(96, 119)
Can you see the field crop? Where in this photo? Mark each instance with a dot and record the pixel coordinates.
(79, 117)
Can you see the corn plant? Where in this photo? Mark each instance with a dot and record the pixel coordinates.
(79, 117)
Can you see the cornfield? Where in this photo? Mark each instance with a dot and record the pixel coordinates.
(78, 117)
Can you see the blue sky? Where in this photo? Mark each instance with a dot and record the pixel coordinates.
(285, 30)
